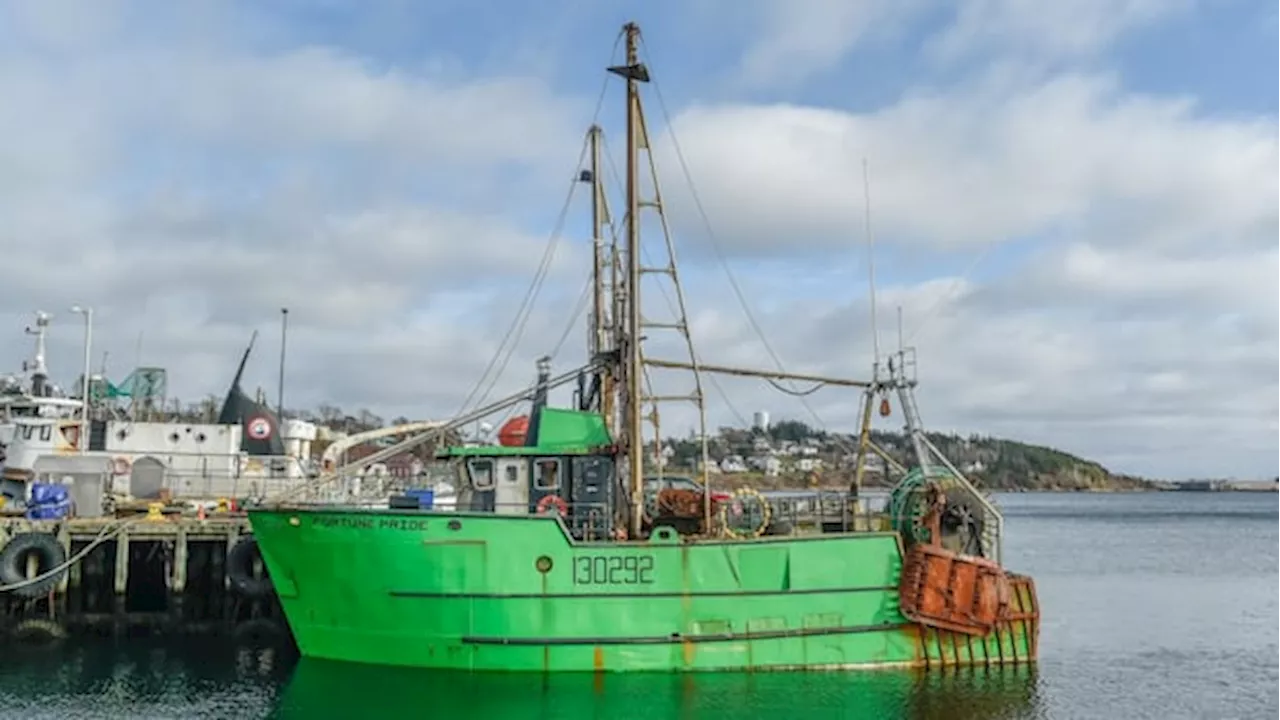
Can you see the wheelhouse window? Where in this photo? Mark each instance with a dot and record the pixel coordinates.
(481, 473)
(546, 473)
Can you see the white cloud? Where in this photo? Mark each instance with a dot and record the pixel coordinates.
(796, 39)
(800, 37)
(65, 25)
(977, 165)
(190, 191)
(1126, 310)
(1048, 30)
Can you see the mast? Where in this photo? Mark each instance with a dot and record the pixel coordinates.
(635, 434)
(596, 341)
(602, 316)
(624, 358)
(630, 323)
(38, 370)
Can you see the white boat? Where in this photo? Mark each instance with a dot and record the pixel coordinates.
(247, 454)
(47, 437)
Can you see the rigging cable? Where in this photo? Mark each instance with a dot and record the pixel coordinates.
(107, 533)
(697, 200)
(518, 323)
(578, 309)
(793, 392)
(583, 298)
(516, 329)
(934, 310)
(671, 305)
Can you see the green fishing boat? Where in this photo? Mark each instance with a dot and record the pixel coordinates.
(555, 558)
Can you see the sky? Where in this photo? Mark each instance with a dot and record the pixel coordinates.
(1073, 206)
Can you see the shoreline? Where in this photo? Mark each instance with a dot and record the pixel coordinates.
(762, 484)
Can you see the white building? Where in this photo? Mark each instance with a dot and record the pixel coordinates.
(760, 420)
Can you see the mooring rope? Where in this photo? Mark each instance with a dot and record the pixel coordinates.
(107, 533)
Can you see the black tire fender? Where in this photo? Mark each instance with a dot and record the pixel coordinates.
(38, 631)
(260, 632)
(240, 560)
(13, 563)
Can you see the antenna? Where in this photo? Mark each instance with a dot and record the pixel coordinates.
(900, 341)
(871, 270)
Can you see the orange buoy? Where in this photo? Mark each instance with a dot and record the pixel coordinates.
(884, 407)
(513, 432)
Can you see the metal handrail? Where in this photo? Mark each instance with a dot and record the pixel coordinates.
(223, 475)
(420, 438)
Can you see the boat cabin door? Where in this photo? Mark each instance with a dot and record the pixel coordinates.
(511, 497)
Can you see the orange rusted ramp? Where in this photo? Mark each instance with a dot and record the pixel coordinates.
(941, 589)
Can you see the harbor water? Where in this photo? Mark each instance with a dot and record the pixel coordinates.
(1155, 605)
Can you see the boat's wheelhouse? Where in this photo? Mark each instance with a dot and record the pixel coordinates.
(568, 469)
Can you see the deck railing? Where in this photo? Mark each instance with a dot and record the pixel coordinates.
(183, 476)
(828, 511)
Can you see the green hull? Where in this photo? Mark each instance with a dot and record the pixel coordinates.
(512, 592)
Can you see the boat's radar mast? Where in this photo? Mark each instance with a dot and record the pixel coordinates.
(37, 369)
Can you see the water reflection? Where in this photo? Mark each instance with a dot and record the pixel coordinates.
(321, 688)
(141, 679)
(1168, 619)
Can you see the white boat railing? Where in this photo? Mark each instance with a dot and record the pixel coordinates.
(182, 476)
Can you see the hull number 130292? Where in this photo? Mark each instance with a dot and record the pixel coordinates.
(613, 570)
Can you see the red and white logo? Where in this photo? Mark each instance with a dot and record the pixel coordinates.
(259, 428)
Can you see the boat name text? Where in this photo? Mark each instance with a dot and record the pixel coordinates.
(613, 570)
(365, 523)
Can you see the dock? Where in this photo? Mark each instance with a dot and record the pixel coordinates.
(160, 571)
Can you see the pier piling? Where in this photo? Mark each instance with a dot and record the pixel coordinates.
(150, 573)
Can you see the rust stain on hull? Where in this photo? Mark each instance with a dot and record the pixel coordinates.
(688, 650)
(597, 661)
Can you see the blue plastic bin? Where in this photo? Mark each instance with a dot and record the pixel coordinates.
(426, 498)
(49, 501)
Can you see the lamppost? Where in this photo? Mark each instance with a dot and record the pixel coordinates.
(284, 336)
(83, 441)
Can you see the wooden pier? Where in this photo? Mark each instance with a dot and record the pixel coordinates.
(155, 572)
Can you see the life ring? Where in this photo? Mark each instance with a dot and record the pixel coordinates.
(49, 555)
(120, 466)
(38, 631)
(240, 560)
(739, 496)
(548, 500)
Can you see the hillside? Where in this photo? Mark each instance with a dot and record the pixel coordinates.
(1011, 465)
(792, 454)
